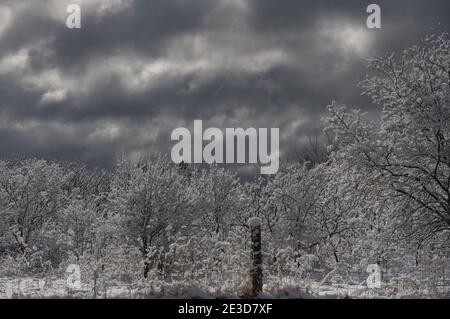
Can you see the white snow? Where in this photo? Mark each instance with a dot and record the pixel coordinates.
(254, 222)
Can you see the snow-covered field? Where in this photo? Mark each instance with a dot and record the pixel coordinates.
(32, 287)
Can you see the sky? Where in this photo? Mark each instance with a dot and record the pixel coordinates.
(138, 69)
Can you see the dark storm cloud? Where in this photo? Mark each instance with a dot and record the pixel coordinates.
(138, 69)
(144, 28)
(297, 16)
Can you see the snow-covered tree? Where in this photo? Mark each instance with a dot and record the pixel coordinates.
(147, 194)
(31, 196)
(408, 152)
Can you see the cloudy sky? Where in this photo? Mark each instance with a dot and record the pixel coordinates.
(138, 69)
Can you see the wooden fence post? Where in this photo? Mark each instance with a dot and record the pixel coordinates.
(256, 271)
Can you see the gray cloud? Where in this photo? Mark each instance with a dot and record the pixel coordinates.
(138, 69)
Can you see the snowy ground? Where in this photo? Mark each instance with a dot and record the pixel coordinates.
(287, 289)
